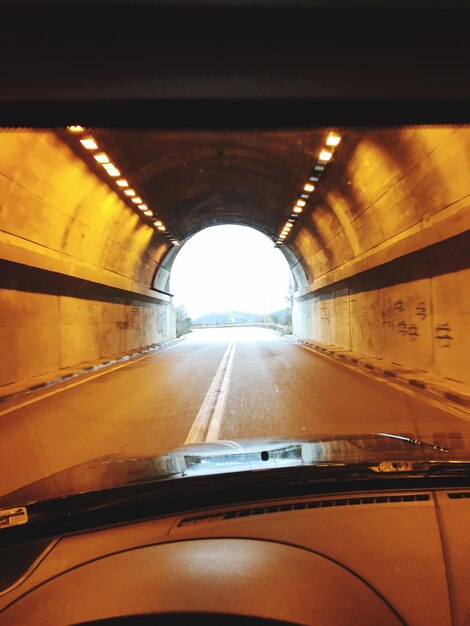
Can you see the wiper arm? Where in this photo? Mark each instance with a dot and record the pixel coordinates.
(416, 442)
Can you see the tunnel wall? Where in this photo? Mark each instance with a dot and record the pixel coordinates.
(76, 264)
(387, 249)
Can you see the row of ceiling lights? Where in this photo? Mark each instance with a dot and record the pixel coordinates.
(324, 157)
(127, 193)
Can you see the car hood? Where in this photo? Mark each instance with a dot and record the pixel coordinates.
(254, 455)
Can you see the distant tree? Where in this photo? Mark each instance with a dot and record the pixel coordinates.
(290, 303)
(183, 321)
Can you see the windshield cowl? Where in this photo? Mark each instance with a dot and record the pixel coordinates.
(382, 453)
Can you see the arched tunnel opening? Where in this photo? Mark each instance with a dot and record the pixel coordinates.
(372, 225)
(228, 275)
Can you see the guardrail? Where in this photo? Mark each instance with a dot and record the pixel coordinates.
(250, 325)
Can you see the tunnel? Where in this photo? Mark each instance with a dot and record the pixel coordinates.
(374, 228)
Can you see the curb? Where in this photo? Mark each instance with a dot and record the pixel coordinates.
(432, 386)
(70, 373)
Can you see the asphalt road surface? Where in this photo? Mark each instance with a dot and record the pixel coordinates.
(216, 384)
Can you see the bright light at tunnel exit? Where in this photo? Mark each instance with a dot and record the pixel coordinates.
(230, 268)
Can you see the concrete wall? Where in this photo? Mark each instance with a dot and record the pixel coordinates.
(44, 333)
(387, 251)
(417, 325)
(76, 263)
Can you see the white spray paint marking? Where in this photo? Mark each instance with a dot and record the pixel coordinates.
(214, 402)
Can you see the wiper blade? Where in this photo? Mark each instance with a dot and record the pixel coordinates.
(416, 442)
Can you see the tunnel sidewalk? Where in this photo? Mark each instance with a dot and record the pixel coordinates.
(445, 390)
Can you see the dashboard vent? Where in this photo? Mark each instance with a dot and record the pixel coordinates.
(300, 506)
(458, 495)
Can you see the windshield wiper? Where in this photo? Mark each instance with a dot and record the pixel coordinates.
(416, 442)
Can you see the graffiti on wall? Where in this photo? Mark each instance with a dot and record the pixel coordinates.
(443, 335)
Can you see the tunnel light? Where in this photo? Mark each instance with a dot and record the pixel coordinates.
(111, 169)
(300, 202)
(298, 209)
(308, 187)
(291, 221)
(101, 158)
(113, 172)
(288, 226)
(314, 179)
(305, 196)
(89, 143)
(333, 139)
(325, 155)
(319, 168)
(282, 236)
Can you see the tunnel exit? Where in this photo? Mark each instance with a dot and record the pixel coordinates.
(232, 275)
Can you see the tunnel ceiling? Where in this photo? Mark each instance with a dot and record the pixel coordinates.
(199, 179)
(380, 188)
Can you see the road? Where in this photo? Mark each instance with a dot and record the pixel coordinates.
(216, 384)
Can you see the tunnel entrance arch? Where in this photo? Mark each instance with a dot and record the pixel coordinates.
(162, 277)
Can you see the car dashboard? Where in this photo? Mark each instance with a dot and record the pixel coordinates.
(364, 558)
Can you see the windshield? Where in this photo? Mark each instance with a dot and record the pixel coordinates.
(174, 302)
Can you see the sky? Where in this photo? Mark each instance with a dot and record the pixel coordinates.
(229, 268)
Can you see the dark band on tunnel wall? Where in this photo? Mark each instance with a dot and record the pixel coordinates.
(445, 257)
(450, 255)
(19, 277)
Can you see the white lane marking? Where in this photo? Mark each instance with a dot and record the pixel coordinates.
(218, 414)
(210, 402)
(86, 379)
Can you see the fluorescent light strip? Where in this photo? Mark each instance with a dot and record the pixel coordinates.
(325, 155)
(101, 158)
(333, 139)
(90, 144)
